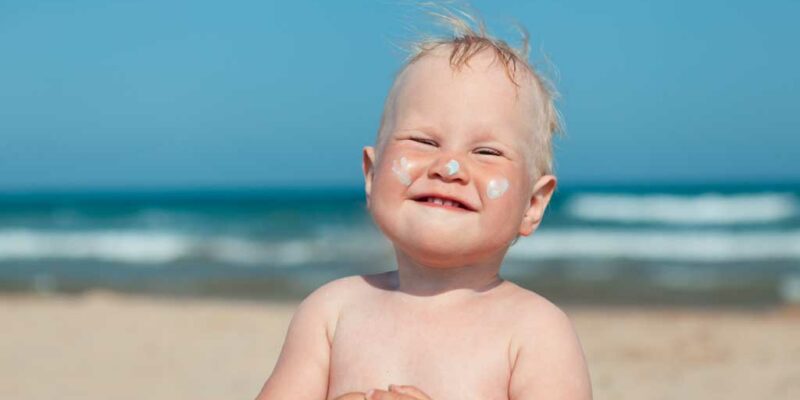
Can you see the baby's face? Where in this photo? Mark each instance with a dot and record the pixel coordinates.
(462, 136)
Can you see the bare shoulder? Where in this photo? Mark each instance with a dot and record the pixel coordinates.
(303, 366)
(534, 311)
(547, 359)
(330, 299)
(537, 321)
(342, 290)
(335, 292)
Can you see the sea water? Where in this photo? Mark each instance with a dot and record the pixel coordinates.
(700, 244)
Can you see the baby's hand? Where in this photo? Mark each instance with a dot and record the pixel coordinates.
(398, 392)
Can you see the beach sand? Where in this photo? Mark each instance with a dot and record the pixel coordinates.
(110, 346)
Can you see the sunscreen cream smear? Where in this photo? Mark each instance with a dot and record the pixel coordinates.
(400, 170)
(496, 187)
(452, 167)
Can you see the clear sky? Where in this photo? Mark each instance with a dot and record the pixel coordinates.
(153, 93)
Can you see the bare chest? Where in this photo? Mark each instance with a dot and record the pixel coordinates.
(450, 356)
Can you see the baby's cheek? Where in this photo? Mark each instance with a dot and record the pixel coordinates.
(405, 168)
(401, 169)
(503, 195)
(497, 187)
(502, 202)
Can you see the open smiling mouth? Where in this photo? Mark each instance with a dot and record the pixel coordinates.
(439, 202)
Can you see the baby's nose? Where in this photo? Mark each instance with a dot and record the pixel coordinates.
(448, 169)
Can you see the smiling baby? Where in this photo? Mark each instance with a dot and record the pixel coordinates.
(462, 166)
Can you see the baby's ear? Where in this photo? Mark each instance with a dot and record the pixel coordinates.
(542, 192)
(367, 165)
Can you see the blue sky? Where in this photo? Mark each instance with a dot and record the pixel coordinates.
(97, 94)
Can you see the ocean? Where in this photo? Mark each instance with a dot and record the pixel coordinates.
(699, 245)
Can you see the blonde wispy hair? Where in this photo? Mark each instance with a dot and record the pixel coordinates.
(470, 37)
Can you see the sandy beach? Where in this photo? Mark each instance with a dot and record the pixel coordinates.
(104, 345)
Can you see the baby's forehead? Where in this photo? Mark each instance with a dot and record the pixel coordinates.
(484, 72)
(432, 84)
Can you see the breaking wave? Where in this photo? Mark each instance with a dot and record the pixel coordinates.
(154, 248)
(659, 245)
(703, 209)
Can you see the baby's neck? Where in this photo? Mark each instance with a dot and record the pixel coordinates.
(416, 279)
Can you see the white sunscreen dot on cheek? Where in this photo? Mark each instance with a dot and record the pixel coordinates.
(496, 187)
(452, 167)
(400, 170)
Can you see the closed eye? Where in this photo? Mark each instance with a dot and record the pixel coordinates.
(424, 141)
(489, 152)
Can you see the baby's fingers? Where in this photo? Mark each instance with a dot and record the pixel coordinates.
(377, 394)
(410, 391)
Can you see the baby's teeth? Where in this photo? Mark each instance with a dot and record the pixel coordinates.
(442, 202)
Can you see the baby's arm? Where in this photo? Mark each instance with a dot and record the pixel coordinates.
(549, 361)
(301, 372)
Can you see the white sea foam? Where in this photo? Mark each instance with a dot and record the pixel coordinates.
(694, 246)
(696, 209)
(122, 246)
(160, 247)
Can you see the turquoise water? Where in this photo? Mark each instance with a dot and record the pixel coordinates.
(724, 244)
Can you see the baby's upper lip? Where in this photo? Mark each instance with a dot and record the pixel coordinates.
(450, 197)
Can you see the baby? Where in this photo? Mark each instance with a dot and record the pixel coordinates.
(460, 169)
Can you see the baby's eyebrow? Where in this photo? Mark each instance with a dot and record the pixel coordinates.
(429, 130)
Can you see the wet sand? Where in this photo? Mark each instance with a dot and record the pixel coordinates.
(103, 345)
